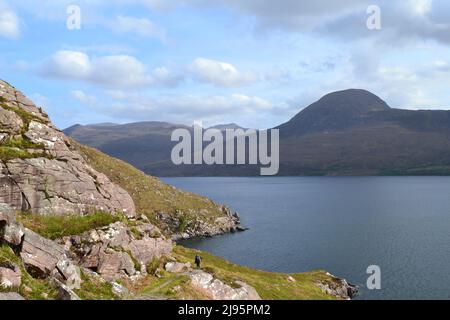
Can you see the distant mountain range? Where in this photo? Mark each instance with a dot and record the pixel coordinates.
(351, 132)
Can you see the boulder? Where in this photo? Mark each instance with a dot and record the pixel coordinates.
(119, 290)
(64, 292)
(69, 273)
(177, 267)
(146, 249)
(43, 258)
(13, 233)
(10, 230)
(291, 279)
(113, 265)
(40, 255)
(218, 290)
(10, 276)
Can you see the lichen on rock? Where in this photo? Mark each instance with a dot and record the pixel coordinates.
(40, 173)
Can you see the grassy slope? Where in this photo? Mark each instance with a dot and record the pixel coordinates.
(150, 195)
(54, 227)
(269, 285)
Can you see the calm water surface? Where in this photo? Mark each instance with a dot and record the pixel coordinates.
(342, 225)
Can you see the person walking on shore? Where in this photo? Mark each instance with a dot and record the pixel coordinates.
(198, 261)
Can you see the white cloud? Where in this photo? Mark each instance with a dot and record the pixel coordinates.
(120, 70)
(420, 7)
(84, 98)
(195, 105)
(9, 22)
(68, 64)
(178, 108)
(112, 71)
(220, 73)
(140, 26)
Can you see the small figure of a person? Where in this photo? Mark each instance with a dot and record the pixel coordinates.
(198, 261)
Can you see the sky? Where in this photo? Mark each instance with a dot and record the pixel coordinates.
(252, 62)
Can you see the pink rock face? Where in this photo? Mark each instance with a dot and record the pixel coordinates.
(50, 177)
(118, 250)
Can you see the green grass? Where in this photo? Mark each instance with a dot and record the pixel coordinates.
(93, 288)
(7, 153)
(184, 221)
(169, 286)
(150, 195)
(54, 227)
(22, 143)
(269, 285)
(19, 148)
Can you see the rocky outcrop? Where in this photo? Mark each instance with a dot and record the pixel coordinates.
(43, 173)
(118, 250)
(185, 226)
(44, 258)
(40, 172)
(218, 290)
(40, 257)
(212, 287)
(338, 288)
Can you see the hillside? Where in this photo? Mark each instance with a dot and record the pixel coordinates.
(350, 132)
(76, 224)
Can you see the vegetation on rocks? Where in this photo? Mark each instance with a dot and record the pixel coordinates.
(8, 153)
(20, 146)
(150, 195)
(95, 288)
(54, 227)
(95, 250)
(31, 288)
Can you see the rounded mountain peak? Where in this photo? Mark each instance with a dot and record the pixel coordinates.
(355, 101)
(335, 111)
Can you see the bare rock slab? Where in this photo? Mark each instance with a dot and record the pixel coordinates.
(10, 296)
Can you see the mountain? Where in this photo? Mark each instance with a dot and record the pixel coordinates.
(141, 144)
(350, 132)
(335, 111)
(76, 224)
(353, 132)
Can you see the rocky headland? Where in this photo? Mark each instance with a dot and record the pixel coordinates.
(77, 224)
